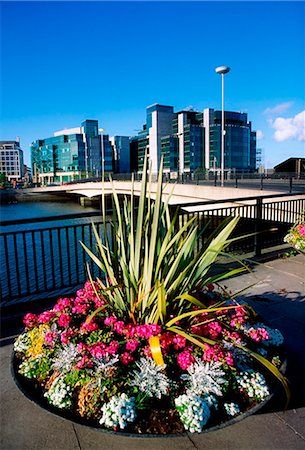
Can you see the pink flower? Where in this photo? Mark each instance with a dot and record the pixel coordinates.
(98, 302)
(50, 337)
(113, 347)
(119, 327)
(98, 350)
(258, 334)
(81, 347)
(64, 320)
(229, 359)
(166, 340)
(89, 326)
(46, 316)
(185, 359)
(110, 320)
(212, 330)
(30, 320)
(84, 362)
(132, 345)
(66, 336)
(80, 308)
(180, 341)
(63, 304)
(126, 358)
(212, 353)
(148, 330)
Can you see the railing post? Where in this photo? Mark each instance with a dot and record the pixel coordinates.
(290, 185)
(215, 179)
(258, 227)
(262, 183)
(236, 184)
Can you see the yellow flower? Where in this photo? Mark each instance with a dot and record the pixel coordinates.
(37, 337)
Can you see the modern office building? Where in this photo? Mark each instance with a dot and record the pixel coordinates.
(190, 141)
(183, 150)
(121, 154)
(158, 124)
(240, 141)
(11, 160)
(71, 154)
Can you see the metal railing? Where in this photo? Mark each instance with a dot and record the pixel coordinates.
(41, 257)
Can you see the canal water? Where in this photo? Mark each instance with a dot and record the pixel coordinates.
(38, 209)
(45, 256)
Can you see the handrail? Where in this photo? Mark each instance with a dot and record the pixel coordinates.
(5, 223)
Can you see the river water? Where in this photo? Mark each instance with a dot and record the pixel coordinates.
(46, 256)
(37, 209)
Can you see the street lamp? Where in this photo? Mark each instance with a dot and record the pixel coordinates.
(222, 70)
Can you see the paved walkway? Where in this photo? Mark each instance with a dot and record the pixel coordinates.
(279, 296)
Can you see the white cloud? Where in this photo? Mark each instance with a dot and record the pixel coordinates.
(259, 135)
(278, 109)
(290, 128)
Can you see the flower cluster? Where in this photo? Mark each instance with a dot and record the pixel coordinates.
(264, 334)
(118, 412)
(232, 409)
(253, 384)
(87, 359)
(296, 235)
(194, 412)
(60, 393)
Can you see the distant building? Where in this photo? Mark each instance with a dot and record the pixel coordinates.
(71, 154)
(158, 124)
(11, 160)
(295, 166)
(191, 141)
(121, 153)
(240, 141)
(183, 150)
(27, 174)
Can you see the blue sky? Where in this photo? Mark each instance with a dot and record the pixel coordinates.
(63, 62)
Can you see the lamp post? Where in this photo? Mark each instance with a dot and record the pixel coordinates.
(222, 70)
(101, 130)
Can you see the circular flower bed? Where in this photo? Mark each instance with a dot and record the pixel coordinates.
(141, 378)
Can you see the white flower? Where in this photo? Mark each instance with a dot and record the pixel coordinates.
(253, 384)
(60, 393)
(22, 343)
(204, 378)
(118, 412)
(232, 409)
(149, 378)
(194, 412)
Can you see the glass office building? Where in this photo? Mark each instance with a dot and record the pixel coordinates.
(71, 154)
(190, 141)
(240, 141)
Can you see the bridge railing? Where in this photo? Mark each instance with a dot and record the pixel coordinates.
(42, 257)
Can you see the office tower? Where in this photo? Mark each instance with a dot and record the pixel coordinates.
(11, 160)
(71, 154)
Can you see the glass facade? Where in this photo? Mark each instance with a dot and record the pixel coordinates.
(71, 155)
(194, 140)
(240, 142)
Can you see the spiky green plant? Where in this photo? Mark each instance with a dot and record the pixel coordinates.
(152, 268)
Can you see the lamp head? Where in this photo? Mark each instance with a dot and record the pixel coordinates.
(222, 69)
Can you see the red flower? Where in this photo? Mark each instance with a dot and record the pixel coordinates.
(30, 320)
(64, 320)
